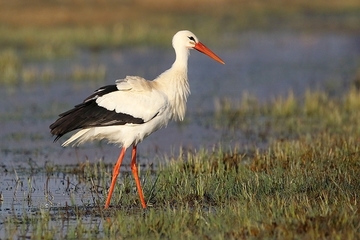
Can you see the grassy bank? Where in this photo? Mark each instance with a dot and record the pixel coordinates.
(305, 184)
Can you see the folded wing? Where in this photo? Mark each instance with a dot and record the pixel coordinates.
(132, 100)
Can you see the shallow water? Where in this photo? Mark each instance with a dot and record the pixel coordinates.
(27, 195)
(260, 63)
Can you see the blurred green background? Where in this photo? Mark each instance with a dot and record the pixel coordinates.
(62, 24)
(51, 29)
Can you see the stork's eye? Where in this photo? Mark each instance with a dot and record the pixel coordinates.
(192, 38)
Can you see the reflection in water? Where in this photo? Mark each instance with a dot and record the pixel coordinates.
(44, 191)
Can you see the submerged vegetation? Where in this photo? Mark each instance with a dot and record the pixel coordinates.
(304, 184)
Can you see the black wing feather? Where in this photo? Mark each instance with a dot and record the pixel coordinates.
(89, 114)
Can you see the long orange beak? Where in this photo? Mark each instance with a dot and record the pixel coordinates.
(203, 49)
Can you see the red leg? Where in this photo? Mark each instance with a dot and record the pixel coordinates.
(116, 172)
(134, 170)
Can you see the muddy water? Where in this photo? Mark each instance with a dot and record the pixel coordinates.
(262, 64)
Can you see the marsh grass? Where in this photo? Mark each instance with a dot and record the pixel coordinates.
(290, 117)
(95, 72)
(10, 64)
(14, 69)
(304, 184)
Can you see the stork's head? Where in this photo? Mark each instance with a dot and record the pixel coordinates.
(188, 40)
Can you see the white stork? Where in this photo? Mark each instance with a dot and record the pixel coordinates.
(133, 108)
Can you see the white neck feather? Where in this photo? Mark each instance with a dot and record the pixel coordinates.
(174, 83)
